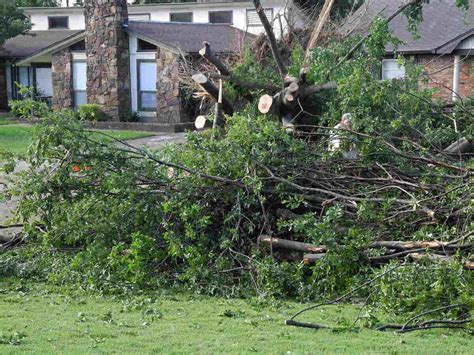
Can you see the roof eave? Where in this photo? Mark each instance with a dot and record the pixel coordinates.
(53, 48)
(163, 45)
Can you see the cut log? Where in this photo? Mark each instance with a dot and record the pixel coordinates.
(401, 246)
(202, 122)
(245, 84)
(310, 259)
(211, 58)
(286, 214)
(271, 37)
(265, 103)
(313, 89)
(207, 85)
(461, 146)
(279, 243)
(435, 257)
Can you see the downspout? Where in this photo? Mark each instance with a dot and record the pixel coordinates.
(456, 77)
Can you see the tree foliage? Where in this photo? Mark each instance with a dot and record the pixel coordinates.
(190, 215)
(12, 21)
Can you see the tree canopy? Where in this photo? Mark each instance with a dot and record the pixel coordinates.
(12, 21)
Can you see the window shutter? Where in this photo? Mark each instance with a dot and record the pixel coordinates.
(254, 20)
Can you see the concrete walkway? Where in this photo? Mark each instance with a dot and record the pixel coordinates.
(158, 140)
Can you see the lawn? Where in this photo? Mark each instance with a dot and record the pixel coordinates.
(17, 138)
(40, 321)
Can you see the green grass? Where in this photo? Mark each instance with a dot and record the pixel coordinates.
(39, 321)
(17, 138)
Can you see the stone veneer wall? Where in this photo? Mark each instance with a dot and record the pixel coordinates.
(440, 71)
(62, 79)
(169, 108)
(3, 86)
(107, 50)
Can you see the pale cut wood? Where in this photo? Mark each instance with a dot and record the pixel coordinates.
(279, 243)
(265, 103)
(202, 122)
(209, 86)
(323, 17)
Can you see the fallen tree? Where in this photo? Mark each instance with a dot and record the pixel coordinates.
(202, 214)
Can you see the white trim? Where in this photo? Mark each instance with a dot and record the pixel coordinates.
(456, 77)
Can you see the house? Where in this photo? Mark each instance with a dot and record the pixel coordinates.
(124, 57)
(445, 46)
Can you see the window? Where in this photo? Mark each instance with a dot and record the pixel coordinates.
(21, 76)
(79, 83)
(139, 17)
(146, 85)
(58, 22)
(254, 20)
(44, 81)
(181, 17)
(144, 46)
(78, 47)
(391, 70)
(220, 17)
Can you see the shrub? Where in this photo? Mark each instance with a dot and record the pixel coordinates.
(91, 112)
(28, 107)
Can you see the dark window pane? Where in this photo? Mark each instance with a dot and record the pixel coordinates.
(148, 100)
(144, 46)
(181, 17)
(58, 22)
(220, 17)
(79, 46)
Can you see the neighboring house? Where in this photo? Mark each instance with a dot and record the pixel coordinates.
(124, 58)
(445, 47)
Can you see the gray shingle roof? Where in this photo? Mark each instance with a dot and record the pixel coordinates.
(443, 26)
(33, 42)
(188, 37)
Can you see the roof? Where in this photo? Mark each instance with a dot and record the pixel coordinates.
(34, 42)
(188, 37)
(443, 27)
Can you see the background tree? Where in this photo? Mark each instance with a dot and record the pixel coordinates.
(37, 3)
(12, 21)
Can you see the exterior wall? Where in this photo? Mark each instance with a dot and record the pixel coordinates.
(62, 79)
(3, 86)
(168, 93)
(107, 49)
(161, 13)
(466, 83)
(39, 19)
(439, 70)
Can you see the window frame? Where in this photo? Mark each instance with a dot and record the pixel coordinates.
(57, 17)
(139, 91)
(152, 50)
(221, 11)
(179, 13)
(253, 10)
(392, 60)
(140, 14)
(72, 86)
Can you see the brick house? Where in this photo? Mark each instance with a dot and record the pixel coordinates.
(122, 57)
(445, 47)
